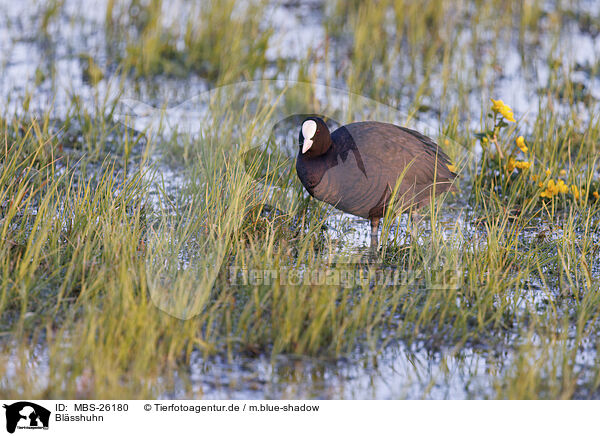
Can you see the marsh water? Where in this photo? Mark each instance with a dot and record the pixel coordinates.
(45, 66)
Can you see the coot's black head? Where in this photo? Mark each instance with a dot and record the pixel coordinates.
(314, 138)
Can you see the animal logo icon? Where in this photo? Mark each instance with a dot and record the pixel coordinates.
(24, 414)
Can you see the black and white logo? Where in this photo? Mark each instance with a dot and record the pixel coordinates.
(26, 415)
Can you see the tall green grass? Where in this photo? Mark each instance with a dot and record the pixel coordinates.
(113, 279)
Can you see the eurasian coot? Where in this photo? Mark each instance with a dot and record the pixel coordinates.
(356, 167)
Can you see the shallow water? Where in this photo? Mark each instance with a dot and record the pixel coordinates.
(397, 371)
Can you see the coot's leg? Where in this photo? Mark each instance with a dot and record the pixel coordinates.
(374, 231)
(415, 220)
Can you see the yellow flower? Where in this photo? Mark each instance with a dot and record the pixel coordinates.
(575, 192)
(562, 187)
(508, 115)
(500, 107)
(563, 173)
(548, 192)
(522, 165)
(452, 168)
(521, 144)
(497, 105)
(548, 172)
(510, 166)
(596, 195)
(553, 188)
(534, 178)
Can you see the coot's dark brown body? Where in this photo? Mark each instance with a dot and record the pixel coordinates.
(356, 168)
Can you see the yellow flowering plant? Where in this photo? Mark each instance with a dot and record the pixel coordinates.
(503, 167)
(575, 192)
(554, 188)
(499, 107)
(521, 144)
(551, 189)
(503, 163)
(518, 164)
(502, 114)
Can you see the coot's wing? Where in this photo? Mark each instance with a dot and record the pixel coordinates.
(405, 153)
